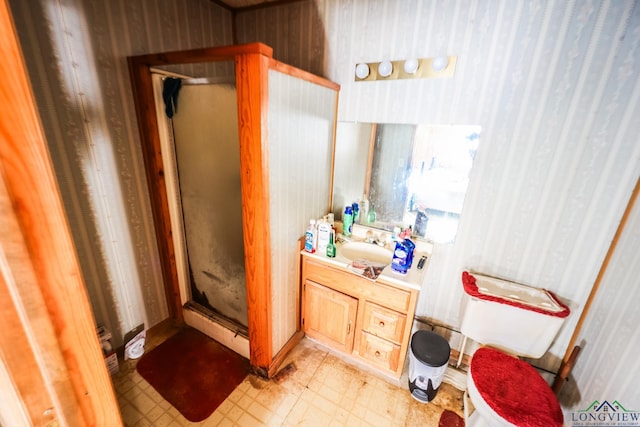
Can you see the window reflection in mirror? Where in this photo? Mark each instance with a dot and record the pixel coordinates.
(414, 175)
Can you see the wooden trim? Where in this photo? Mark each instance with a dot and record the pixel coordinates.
(38, 250)
(298, 286)
(333, 152)
(603, 269)
(372, 143)
(142, 86)
(292, 71)
(18, 354)
(222, 5)
(272, 3)
(252, 91)
(208, 54)
(284, 352)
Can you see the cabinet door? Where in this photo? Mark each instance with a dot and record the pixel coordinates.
(330, 316)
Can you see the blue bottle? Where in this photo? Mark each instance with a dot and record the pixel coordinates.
(356, 213)
(403, 255)
(347, 221)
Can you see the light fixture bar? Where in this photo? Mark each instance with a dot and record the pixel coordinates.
(427, 68)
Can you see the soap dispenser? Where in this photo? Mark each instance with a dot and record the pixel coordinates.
(403, 253)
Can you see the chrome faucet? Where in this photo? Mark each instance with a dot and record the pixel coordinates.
(379, 239)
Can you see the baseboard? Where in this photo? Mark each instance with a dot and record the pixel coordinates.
(221, 334)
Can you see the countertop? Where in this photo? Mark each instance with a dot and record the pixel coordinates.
(413, 279)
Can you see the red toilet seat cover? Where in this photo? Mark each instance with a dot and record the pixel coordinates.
(514, 389)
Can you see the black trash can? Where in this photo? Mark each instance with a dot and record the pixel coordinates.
(428, 360)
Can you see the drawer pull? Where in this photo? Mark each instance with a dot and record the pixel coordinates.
(381, 324)
(349, 327)
(377, 353)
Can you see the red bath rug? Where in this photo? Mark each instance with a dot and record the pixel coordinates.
(193, 372)
(450, 419)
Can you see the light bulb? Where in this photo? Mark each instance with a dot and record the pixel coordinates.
(439, 63)
(362, 71)
(411, 66)
(385, 68)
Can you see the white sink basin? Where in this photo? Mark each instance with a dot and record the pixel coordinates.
(368, 251)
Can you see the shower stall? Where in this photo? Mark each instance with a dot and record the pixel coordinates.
(205, 131)
(233, 179)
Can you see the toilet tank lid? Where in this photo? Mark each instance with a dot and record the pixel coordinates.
(515, 294)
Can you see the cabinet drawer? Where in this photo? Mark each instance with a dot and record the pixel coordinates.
(383, 323)
(389, 296)
(379, 352)
(351, 284)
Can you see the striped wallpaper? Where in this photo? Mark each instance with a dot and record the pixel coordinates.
(76, 52)
(300, 135)
(552, 83)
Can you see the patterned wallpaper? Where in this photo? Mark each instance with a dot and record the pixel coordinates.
(301, 120)
(552, 83)
(76, 52)
(554, 86)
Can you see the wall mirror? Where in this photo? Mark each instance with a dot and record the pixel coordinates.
(407, 174)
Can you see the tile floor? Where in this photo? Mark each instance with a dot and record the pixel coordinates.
(323, 390)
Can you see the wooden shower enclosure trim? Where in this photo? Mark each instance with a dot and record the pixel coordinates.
(252, 63)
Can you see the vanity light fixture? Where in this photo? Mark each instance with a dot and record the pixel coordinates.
(412, 68)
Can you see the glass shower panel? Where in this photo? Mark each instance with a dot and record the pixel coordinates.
(208, 162)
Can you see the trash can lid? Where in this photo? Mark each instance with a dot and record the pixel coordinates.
(430, 348)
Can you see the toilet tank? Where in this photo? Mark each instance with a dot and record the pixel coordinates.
(518, 319)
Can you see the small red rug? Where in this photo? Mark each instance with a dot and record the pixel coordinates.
(450, 419)
(193, 372)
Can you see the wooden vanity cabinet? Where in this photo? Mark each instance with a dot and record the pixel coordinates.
(367, 320)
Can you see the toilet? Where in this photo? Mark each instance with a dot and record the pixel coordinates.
(509, 320)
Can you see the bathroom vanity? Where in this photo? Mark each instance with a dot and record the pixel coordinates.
(367, 320)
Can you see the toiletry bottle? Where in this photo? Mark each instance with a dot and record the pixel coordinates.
(324, 230)
(331, 246)
(364, 209)
(356, 212)
(309, 237)
(395, 234)
(347, 221)
(421, 224)
(371, 216)
(403, 253)
(331, 219)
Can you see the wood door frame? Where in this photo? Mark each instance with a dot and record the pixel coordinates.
(252, 63)
(52, 362)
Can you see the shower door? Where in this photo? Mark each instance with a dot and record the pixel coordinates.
(208, 166)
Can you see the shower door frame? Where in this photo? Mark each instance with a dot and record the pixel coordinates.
(252, 65)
